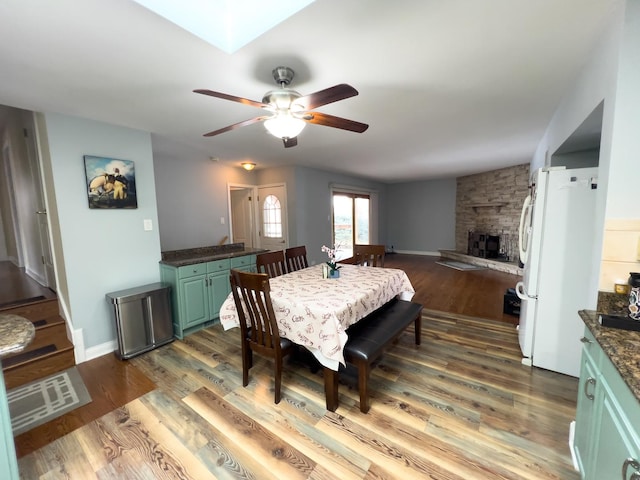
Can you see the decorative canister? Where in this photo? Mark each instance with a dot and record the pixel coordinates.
(634, 295)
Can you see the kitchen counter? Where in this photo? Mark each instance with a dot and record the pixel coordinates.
(621, 346)
(190, 256)
(15, 333)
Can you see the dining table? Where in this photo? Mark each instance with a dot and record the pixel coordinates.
(316, 312)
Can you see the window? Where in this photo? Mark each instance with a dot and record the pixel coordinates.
(350, 222)
(272, 217)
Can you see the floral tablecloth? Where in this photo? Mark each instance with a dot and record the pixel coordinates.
(315, 312)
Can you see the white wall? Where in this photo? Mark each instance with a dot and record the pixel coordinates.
(104, 250)
(612, 76)
(595, 84)
(624, 169)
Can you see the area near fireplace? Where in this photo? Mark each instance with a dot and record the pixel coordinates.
(488, 207)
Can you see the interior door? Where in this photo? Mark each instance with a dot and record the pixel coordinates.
(242, 215)
(272, 212)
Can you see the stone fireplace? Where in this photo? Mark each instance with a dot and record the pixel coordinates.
(488, 207)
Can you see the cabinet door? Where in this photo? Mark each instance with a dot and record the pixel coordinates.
(194, 301)
(219, 289)
(616, 444)
(586, 415)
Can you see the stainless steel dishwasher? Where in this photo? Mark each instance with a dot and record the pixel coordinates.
(143, 318)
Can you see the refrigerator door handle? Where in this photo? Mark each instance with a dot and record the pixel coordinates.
(522, 295)
(523, 230)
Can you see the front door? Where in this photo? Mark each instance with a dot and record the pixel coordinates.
(272, 212)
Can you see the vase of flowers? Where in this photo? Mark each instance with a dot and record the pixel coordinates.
(330, 269)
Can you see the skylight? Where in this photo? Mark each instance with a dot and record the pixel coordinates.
(226, 24)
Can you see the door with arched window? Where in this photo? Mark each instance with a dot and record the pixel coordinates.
(272, 206)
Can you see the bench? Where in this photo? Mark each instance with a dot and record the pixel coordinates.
(368, 340)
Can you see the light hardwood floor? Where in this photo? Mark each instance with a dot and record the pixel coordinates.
(460, 406)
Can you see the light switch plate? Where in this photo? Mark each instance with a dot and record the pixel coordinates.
(148, 225)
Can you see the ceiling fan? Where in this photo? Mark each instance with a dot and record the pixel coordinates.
(290, 111)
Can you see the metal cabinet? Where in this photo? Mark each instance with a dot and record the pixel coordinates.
(143, 318)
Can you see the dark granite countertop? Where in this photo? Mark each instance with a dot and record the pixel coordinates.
(621, 346)
(190, 256)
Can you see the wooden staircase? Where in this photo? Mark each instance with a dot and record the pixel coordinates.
(48, 353)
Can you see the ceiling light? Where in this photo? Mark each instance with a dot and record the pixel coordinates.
(284, 125)
(248, 166)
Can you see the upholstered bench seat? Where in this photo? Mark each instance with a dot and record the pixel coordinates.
(368, 339)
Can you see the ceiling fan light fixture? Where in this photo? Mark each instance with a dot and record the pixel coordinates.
(284, 125)
(248, 166)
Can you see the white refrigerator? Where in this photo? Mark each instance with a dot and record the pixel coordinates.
(556, 247)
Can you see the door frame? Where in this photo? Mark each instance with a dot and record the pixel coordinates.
(254, 220)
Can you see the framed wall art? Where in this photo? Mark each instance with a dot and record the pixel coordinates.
(111, 183)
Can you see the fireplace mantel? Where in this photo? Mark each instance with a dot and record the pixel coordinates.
(495, 205)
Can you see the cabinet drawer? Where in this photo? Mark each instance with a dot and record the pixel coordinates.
(218, 266)
(243, 261)
(192, 270)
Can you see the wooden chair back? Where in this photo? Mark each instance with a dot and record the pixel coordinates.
(369, 255)
(258, 325)
(296, 258)
(271, 263)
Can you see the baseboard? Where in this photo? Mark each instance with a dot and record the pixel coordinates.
(100, 350)
(416, 252)
(77, 338)
(572, 434)
(36, 276)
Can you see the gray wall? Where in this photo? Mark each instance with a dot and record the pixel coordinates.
(192, 196)
(421, 216)
(309, 203)
(104, 250)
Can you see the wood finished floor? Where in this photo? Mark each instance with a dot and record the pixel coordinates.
(460, 406)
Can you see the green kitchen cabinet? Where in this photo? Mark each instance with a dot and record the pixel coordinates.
(199, 290)
(586, 410)
(607, 435)
(245, 263)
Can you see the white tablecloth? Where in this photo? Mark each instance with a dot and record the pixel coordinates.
(315, 312)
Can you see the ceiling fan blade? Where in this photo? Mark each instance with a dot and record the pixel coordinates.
(236, 125)
(233, 98)
(318, 118)
(326, 96)
(290, 142)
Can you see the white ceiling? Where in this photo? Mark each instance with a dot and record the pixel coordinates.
(448, 88)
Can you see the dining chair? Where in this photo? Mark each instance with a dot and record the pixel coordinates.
(271, 263)
(296, 258)
(258, 326)
(369, 255)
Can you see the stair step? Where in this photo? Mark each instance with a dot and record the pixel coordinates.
(24, 357)
(39, 368)
(21, 302)
(49, 352)
(35, 311)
